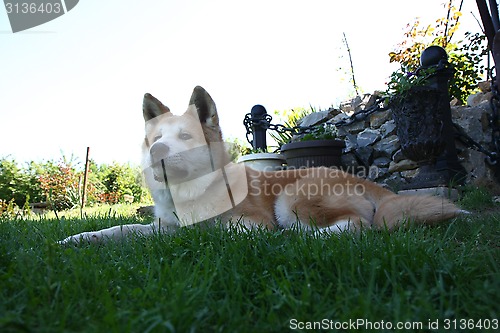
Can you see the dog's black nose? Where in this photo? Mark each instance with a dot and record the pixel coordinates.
(158, 151)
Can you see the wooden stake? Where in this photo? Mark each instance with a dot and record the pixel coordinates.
(84, 190)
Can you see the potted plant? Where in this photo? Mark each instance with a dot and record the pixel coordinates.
(262, 160)
(318, 147)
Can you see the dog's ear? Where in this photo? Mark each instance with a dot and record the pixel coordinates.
(152, 107)
(205, 106)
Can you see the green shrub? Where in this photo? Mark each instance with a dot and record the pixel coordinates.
(119, 180)
(61, 185)
(19, 184)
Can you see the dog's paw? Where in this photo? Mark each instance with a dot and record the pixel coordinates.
(84, 237)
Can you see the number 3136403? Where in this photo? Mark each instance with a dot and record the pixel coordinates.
(469, 324)
(33, 8)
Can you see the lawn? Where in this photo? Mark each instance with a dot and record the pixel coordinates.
(438, 279)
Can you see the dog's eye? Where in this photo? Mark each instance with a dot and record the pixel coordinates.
(185, 136)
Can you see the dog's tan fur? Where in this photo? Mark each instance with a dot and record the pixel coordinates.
(276, 199)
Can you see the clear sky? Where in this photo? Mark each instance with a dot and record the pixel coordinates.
(79, 80)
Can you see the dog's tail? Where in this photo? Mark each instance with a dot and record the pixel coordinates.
(393, 210)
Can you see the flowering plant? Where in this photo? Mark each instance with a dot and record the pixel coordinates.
(402, 81)
(325, 131)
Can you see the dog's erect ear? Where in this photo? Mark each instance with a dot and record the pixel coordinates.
(151, 107)
(205, 106)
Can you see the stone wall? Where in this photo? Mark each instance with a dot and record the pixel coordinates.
(373, 149)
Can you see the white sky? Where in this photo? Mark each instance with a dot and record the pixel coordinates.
(79, 80)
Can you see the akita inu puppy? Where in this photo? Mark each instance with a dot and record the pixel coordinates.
(190, 175)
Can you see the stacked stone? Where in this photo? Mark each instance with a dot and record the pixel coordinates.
(373, 148)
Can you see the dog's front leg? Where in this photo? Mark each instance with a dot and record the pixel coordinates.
(116, 232)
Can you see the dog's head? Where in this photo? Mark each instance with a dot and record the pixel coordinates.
(180, 148)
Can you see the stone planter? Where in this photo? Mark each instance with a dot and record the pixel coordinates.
(419, 123)
(263, 161)
(314, 153)
(426, 135)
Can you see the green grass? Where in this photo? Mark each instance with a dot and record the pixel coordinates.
(211, 280)
(477, 199)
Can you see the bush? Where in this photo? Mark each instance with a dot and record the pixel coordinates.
(61, 185)
(19, 184)
(119, 180)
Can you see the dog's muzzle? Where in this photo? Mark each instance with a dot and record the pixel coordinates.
(166, 168)
(158, 151)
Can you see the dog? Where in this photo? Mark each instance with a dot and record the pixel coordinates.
(191, 177)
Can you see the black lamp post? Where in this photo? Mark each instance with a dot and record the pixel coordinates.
(258, 113)
(425, 128)
(447, 164)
